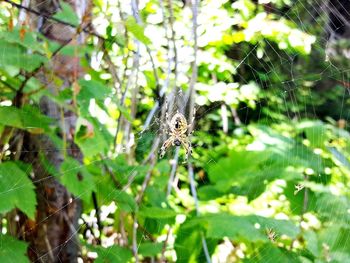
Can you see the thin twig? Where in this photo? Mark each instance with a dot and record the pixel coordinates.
(146, 181)
(135, 12)
(135, 67)
(140, 196)
(171, 23)
(98, 216)
(111, 68)
(235, 116)
(117, 184)
(224, 118)
(173, 171)
(134, 239)
(190, 92)
(196, 202)
(28, 9)
(162, 258)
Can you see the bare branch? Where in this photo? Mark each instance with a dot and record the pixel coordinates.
(30, 10)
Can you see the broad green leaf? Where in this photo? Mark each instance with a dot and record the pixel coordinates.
(112, 254)
(26, 118)
(297, 199)
(124, 200)
(209, 192)
(271, 253)
(29, 40)
(157, 212)
(137, 30)
(92, 137)
(67, 14)
(244, 173)
(316, 133)
(16, 190)
(125, 112)
(311, 240)
(188, 245)
(12, 250)
(245, 228)
(77, 178)
(330, 207)
(154, 196)
(336, 237)
(237, 165)
(150, 249)
(92, 89)
(15, 55)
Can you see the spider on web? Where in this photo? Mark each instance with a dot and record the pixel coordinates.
(271, 234)
(179, 132)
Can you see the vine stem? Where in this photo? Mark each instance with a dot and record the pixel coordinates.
(196, 202)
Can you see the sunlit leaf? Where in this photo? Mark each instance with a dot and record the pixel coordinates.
(67, 14)
(137, 30)
(112, 254)
(26, 118)
(150, 249)
(12, 250)
(16, 190)
(157, 212)
(76, 178)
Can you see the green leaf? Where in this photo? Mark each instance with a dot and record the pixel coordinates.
(125, 112)
(91, 89)
(245, 228)
(94, 142)
(77, 178)
(12, 250)
(243, 173)
(150, 249)
(67, 14)
(156, 212)
(26, 118)
(124, 200)
(188, 245)
(316, 133)
(16, 190)
(137, 30)
(209, 192)
(112, 254)
(29, 41)
(330, 207)
(336, 237)
(235, 166)
(17, 56)
(271, 253)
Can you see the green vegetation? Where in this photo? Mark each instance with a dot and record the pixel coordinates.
(269, 176)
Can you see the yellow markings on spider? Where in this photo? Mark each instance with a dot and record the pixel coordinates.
(178, 131)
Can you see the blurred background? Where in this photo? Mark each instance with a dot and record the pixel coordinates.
(84, 86)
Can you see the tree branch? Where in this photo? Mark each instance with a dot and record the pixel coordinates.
(30, 10)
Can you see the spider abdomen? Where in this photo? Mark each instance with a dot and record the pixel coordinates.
(177, 142)
(179, 123)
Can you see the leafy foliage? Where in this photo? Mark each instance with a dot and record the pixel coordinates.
(16, 190)
(12, 250)
(271, 158)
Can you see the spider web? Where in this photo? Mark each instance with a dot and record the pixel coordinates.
(289, 93)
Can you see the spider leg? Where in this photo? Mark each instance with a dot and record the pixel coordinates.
(165, 147)
(188, 147)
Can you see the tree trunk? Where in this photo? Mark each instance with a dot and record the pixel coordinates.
(53, 236)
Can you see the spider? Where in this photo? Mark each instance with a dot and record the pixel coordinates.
(271, 234)
(178, 131)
